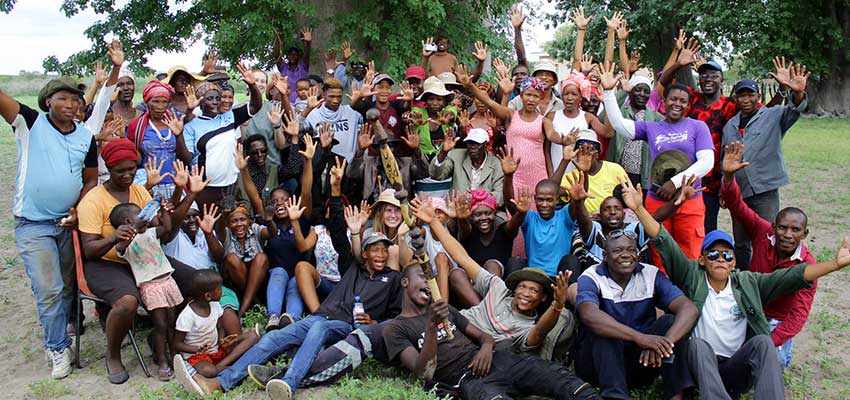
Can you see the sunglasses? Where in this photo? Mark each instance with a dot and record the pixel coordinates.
(257, 152)
(713, 255)
(620, 232)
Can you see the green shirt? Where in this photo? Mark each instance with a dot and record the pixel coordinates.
(751, 289)
(426, 145)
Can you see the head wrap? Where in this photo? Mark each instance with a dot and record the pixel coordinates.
(205, 87)
(125, 72)
(439, 204)
(481, 197)
(487, 87)
(531, 83)
(241, 209)
(638, 79)
(580, 81)
(156, 88)
(226, 87)
(118, 150)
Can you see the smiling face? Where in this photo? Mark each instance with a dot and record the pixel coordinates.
(789, 230)
(483, 219)
(375, 257)
(611, 214)
(676, 103)
(545, 198)
(417, 85)
(639, 96)
(258, 151)
(442, 45)
(416, 287)
(718, 270)
(279, 197)
(383, 90)
(621, 255)
(226, 102)
(527, 296)
(358, 71)
(591, 105)
(262, 80)
(211, 102)
(710, 81)
(190, 224)
(126, 89)
(238, 224)
(390, 216)
(64, 106)
(121, 175)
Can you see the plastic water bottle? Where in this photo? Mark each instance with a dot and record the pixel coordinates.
(151, 209)
(358, 309)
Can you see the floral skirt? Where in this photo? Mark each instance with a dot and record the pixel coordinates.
(160, 293)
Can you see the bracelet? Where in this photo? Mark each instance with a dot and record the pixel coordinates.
(356, 233)
(276, 127)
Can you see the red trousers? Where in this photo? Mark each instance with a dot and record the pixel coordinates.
(687, 226)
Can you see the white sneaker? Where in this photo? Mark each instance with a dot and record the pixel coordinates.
(61, 362)
(277, 389)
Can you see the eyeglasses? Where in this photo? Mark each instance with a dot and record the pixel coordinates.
(621, 232)
(707, 75)
(713, 255)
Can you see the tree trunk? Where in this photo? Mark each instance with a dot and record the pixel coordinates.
(831, 97)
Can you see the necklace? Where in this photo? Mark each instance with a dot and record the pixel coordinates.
(158, 134)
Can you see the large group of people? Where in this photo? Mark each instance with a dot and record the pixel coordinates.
(522, 234)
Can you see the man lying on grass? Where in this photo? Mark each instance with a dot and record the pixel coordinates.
(730, 349)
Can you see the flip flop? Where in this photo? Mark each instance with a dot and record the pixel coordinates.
(117, 378)
(166, 374)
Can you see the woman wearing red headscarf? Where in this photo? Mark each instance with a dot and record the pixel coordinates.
(157, 135)
(108, 276)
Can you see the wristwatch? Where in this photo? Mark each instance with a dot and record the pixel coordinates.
(330, 71)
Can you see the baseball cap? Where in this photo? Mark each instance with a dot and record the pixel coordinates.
(746, 84)
(415, 72)
(714, 236)
(477, 135)
(382, 77)
(710, 65)
(374, 237)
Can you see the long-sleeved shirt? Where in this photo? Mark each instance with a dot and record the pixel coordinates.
(792, 309)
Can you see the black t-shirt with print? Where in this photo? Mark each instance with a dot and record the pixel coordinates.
(499, 248)
(452, 356)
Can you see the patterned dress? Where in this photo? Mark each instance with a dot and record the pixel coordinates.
(526, 140)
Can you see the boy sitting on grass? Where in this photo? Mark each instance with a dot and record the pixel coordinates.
(199, 336)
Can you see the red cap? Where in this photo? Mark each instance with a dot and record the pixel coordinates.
(415, 72)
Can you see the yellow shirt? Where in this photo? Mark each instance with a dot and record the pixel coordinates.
(600, 185)
(93, 212)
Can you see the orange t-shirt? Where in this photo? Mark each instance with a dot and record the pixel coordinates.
(93, 212)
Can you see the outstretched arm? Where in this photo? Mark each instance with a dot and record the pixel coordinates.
(613, 24)
(425, 213)
(517, 18)
(581, 25)
(497, 109)
(623, 126)
(687, 56)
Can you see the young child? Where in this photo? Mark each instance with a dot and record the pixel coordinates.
(302, 87)
(152, 271)
(199, 335)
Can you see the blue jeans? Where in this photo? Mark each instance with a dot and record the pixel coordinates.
(282, 286)
(48, 255)
(783, 351)
(311, 333)
(325, 287)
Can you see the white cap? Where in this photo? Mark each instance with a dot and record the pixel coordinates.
(477, 135)
(588, 136)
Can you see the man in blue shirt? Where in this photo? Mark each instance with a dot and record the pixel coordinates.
(57, 165)
(623, 341)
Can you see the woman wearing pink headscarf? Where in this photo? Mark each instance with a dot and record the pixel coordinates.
(573, 89)
(158, 137)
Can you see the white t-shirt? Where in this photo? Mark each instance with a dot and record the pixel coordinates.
(722, 323)
(563, 125)
(200, 330)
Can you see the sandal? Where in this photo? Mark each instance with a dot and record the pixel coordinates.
(117, 378)
(166, 374)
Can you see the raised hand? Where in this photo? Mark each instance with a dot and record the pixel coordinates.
(623, 30)
(575, 186)
(516, 16)
(559, 289)
(688, 189)
(240, 160)
(506, 83)
(463, 210)
(842, 257)
(207, 223)
(733, 155)
(294, 209)
(688, 53)
(192, 101)
(615, 21)
(586, 63)
(337, 170)
(492, 121)
(196, 179)
(307, 34)
(634, 60)
(346, 50)
(326, 135)
(679, 41)
(579, 19)
(509, 163)
(480, 52)
(444, 117)
(210, 62)
(180, 175)
(175, 125)
(309, 148)
(423, 210)
(462, 75)
(799, 77)
(99, 74)
(463, 118)
(365, 212)
(406, 91)
(153, 169)
(500, 67)
(427, 43)
(330, 59)
(292, 126)
(313, 99)
(116, 53)
(365, 137)
(352, 218)
(370, 72)
(247, 74)
(275, 114)
(111, 130)
(450, 140)
(412, 137)
(606, 76)
(523, 200)
(417, 118)
(280, 84)
(632, 196)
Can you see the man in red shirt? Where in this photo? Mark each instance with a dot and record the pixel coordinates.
(775, 246)
(713, 108)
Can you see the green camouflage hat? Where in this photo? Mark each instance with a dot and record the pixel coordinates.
(668, 164)
(59, 84)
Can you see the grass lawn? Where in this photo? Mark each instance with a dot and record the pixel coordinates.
(817, 153)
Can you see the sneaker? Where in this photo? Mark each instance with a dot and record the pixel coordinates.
(274, 322)
(262, 374)
(61, 362)
(184, 372)
(277, 389)
(285, 320)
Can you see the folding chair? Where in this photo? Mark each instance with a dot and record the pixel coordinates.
(83, 293)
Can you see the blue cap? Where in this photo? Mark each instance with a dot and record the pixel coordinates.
(714, 236)
(710, 65)
(746, 84)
